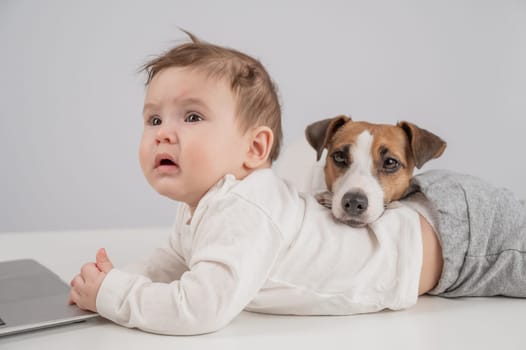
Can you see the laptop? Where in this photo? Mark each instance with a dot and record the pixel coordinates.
(33, 297)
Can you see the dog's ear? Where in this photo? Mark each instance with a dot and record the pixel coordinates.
(424, 144)
(319, 133)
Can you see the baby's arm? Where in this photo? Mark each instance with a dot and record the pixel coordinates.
(164, 265)
(229, 264)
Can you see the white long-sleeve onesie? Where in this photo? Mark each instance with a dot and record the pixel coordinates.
(260, 245)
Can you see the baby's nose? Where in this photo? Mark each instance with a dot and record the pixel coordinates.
(166, 135)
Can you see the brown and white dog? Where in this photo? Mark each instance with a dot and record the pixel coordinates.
(368, 165)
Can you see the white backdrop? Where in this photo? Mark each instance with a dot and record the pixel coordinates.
(71, 98)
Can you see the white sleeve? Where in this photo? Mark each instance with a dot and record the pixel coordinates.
(165, 264)
(234, 248)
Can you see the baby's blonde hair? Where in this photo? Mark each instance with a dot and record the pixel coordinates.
(257, 99)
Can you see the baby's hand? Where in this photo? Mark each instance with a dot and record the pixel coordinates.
(85, 286)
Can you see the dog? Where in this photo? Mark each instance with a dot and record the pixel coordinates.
(368, 166)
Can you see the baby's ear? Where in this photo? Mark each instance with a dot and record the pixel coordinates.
(261, 142)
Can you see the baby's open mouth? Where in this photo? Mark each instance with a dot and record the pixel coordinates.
(166, 162)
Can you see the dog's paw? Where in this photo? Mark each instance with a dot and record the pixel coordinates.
(324, 198)
(393, 205)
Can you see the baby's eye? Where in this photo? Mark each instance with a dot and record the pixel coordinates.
(155, 120)
(192, 118)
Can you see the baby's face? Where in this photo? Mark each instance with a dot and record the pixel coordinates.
(191, 137)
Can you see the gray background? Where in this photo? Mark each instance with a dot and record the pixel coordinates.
(71, 98)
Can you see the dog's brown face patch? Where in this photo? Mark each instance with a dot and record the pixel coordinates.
(338, 160)
(393, 161)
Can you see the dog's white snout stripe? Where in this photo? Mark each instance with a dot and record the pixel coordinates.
(360, 176)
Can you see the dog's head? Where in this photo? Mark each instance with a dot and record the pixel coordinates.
(369, 165)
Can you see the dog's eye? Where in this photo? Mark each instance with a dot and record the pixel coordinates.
(340, 158)
(391, 165)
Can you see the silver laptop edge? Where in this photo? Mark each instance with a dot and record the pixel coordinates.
(33, 297)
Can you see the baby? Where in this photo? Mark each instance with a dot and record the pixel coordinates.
(244, 239)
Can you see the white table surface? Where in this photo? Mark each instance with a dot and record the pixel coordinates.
(434, 323)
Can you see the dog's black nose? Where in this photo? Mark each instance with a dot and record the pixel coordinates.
(354, 203)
